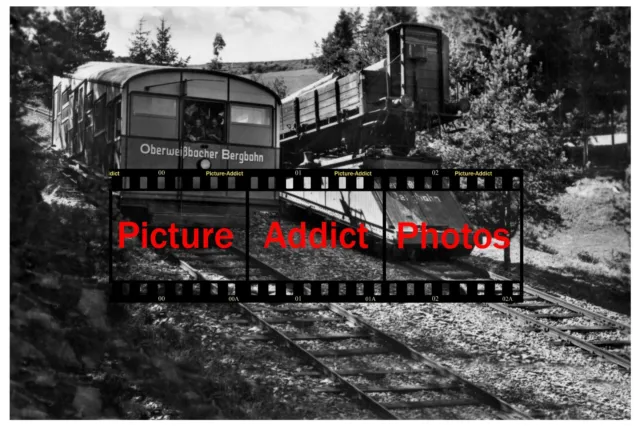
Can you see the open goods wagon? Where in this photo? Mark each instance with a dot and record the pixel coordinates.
(381, 105)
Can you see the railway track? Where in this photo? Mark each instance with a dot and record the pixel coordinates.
(572, 324)
(307, 329)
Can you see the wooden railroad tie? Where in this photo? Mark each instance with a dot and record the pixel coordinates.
(297, 309)
(430, 404)
(363, 372)
(612, 343)
(555, 316)
(337, 336)
(531, 306)
(350, 352)
(584, 329)
(284, 320)
(395, 389)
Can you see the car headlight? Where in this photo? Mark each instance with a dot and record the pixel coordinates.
(406, 101)
(204, 164)
(464, 105)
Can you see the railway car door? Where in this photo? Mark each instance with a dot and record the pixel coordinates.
(203, 132)
(152, 141)
(154, 131)
(204, 137)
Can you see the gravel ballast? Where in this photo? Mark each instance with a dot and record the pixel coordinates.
(525, 368)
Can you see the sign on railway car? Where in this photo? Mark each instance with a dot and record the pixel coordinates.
(218, 153)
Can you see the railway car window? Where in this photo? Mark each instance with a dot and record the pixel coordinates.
(118, 118)
(204, 121)
(154, 116)
(251, 125)
(56, 102)
(154, 106)
(88, 129)
(99, 115)
(88, 113)
(110, 121)
(65, 97)
(250, 115)
(80, 109)
(71, 111)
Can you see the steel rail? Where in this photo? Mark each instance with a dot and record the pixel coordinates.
(504, 409)
(547, 328)
(352, 390)
(496, 403)
(550, 329)
(571, 307)
(253, 260)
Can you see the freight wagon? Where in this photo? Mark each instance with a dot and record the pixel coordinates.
(368, 120)
(381, 105)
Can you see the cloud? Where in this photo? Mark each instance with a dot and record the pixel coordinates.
(251, 33)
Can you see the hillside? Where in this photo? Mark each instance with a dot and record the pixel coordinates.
(588, 256)
(262, 66)
(294, 80)
(296, 73)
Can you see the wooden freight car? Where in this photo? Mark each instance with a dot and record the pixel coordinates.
(381, 105)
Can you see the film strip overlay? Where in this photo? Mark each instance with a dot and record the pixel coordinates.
(316, 291)
(441, 289)
(317, 180)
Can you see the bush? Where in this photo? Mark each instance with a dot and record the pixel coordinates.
(620, 261)
(588, 257)
(547, 249)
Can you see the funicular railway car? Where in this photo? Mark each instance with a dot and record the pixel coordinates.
(118, 115)
(368, 120)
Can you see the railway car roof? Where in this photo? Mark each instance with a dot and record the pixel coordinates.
(120, 73)
(414, 24)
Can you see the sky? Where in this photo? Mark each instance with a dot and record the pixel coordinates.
(251, 33)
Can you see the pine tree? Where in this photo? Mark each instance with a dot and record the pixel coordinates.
(394, 15)
(162, 51)
(355, 43)
(279, 86)
(218, 46)
(507, 127)
(372, 39)
(477, 25)
(614, 42)
(140, 51)
(336, 50)
(85, 33)
(57, 46)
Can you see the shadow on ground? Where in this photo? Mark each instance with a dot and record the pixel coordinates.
(609, 293)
